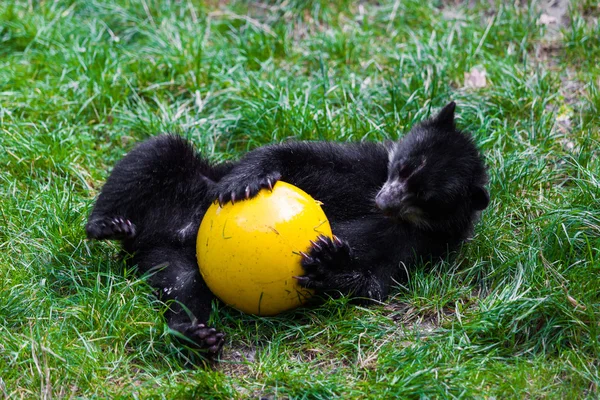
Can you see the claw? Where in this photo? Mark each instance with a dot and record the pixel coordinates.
(309, 260)
(210, 341)
(202, 334)
(316, 245)
(232, 197)
(247, 192)
(220, 200)
(304, 255)
(270, 183)
(337, 241)
(325, 240)
(305, 282)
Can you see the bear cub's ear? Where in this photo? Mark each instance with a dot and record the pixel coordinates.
(446, 115)
(480, 198)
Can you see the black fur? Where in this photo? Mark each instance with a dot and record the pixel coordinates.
(154, 201)
(387, 205)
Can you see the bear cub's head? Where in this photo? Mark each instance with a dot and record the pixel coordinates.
(436, 176)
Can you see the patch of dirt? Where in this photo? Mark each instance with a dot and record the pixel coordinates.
(555, 15)
(236, 360)
(571, 88)
(591, 12)
(454, 9)
(408, 316)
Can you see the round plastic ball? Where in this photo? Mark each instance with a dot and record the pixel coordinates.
(249, 252)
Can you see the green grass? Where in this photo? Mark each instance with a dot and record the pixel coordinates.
(516, 313)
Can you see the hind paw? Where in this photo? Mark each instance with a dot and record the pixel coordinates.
(110, 228)
(202, 336)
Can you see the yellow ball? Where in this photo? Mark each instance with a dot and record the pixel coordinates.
(249, 252)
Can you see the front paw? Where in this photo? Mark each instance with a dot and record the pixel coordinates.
(242, 189)
(202, 336)
(110, 228)
(327, 266)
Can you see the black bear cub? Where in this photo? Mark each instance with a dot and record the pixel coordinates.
(387, 204)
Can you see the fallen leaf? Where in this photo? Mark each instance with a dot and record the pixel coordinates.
(475, 78)
(575, 303)
(546, 19)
